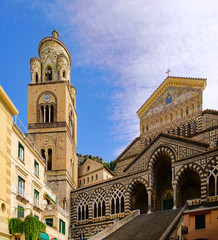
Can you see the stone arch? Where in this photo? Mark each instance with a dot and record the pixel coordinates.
(191, 166)
(137, 196)
(134, 181)
(160, 165)
(189, 183)
(161, 149)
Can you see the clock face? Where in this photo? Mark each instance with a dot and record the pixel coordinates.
(46, 98)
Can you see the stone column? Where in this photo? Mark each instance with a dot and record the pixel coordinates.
(174, 196)
(149, 200)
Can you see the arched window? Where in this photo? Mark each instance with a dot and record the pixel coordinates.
(42, 115)
(64, 74)
(194, 127)
(99, 205)
(212, 181)
(173, 132)
(52, 113)
(189, 130)
(176, 114)
(171, 117)
(178, 131)
(43, 154)
(36, 77)
(49, 163)
(82, 210)
(181, 113)
(47, 114)
(117, 201)
(187, 111)
(49, 74)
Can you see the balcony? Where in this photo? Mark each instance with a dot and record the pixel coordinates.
(22, 195)
(37, 205)
(55, 208)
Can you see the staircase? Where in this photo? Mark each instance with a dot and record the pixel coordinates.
(146, 226)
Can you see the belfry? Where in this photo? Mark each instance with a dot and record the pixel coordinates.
(52, 118)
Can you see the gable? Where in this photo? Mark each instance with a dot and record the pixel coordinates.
(171, 97)
(89, 166)
(177, 147)
(172, 91)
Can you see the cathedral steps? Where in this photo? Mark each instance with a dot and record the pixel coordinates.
(146, 226)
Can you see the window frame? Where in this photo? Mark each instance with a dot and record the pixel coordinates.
(47, 223)
(20, 153)
(62, 226)
(20, 211)
(21, 185)
(36, 168)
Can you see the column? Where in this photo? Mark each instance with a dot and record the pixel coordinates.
(149, 201)
(174, 196)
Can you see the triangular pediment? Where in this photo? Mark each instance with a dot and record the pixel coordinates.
(173, 91)
(178, 148)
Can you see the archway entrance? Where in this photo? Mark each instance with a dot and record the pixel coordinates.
(189, 187)
(162, 187)
(139, 198)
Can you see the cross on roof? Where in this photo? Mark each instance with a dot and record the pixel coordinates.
(167, 72)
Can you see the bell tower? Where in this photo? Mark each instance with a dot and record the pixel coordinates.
(52, 117)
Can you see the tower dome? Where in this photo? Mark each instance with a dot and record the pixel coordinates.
(54, 61)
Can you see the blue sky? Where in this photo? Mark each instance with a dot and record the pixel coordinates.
(120, 52)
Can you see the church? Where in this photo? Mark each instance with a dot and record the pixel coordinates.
(167, 175)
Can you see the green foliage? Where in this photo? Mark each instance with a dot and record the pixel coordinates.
(83, 158)
(15, 225)
(33, 227)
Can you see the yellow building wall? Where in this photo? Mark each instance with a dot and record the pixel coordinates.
(7, 110)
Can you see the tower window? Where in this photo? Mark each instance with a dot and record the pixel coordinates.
(43, 153)
(36, 78)
(47, 114)
(49, 74)
(64, 74)
(42, 114)
(49, 163)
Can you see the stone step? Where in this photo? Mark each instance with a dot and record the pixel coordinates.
(145, 227)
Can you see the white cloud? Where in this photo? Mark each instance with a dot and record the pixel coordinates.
(139, 40)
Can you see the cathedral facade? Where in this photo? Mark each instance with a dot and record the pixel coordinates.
(172, 162)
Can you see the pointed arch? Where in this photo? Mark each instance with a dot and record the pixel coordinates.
(161, 149)
(82, 207)
(99, 203)
(117, 198)
(192, 166)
